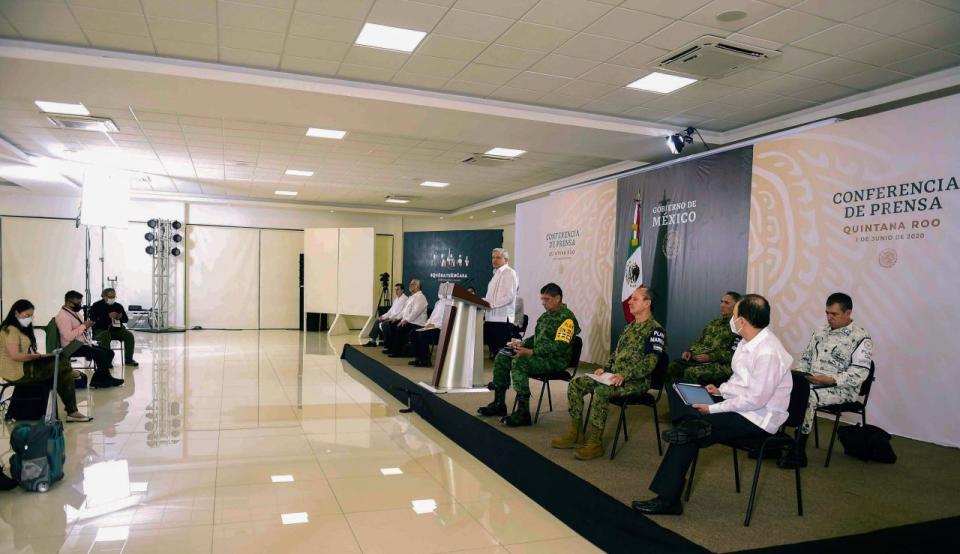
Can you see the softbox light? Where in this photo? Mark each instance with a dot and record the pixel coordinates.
(105, 200)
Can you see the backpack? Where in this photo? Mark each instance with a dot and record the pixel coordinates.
(867, 442)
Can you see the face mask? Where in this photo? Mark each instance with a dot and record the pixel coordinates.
(733, 326)
(75, 307)
(110, 301)
(25, 322)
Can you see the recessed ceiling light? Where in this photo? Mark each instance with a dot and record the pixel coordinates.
(299, 173)
(60, 107)
(326, 133)
(282, 478)
(389, 38)
(505, 152)
(661, 82)
(393, 200)
(434, 184)
(493, 211)
(331, 211)
(425, 506)
(296, 517)
(285, 192)
(391, 471)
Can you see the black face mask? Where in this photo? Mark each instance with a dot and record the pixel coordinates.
(75, 307)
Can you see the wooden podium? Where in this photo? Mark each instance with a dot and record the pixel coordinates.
(459, 361)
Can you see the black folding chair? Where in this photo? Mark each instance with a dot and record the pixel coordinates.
(576, 349)
(857, 407)
(799, 398)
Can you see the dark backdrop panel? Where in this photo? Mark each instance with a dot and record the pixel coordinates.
(691, 255)
(459, 256)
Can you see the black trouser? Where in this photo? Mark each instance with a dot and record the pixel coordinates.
(421, 343)
(669, 480)
(399, 337)
(376, 333)
(102, 358)
(496, 335)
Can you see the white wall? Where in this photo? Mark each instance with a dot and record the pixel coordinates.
(280, 279)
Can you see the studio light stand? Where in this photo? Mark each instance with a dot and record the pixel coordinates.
(163, 240)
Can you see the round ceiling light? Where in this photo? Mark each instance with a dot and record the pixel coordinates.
(732, 15)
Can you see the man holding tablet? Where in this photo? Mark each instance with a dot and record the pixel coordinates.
(754, 404)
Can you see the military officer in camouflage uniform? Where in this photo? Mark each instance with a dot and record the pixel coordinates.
(639, 348)
(547, 351)
(838, 359)
(708, 360)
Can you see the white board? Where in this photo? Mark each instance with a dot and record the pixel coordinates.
(320, 263)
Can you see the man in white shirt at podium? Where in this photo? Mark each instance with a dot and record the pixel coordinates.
(502, 296)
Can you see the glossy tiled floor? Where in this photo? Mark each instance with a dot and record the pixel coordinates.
(236, 442)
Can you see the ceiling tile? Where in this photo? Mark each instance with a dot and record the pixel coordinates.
(43, 21)
(901, 16)
(949, 4)
(825, 93)
(516, 94)
(487, 74)
(566, 14)
(788, 26)
(538, 81)
(132, 6)
(680, 33)
(937, 34)
(785, 3)
(325, 27)
(628, 25)
(375, 57)
(707, 90)
(557, 100)
(187, 31)
(249, 39)
(531, 36)
(419, 81)
(586, 89)
(754, 41)
(246, 16)
(674, 9)
(748, 98)
(839, 39)
(473, 26)
(873, 79)
(712, 110)
(564, 66)
(840, 11)
(593, 47)
(926, 63)
(305, 47)
(111, 21)
(250, 58)
(613, 74)
(312, 66)
(785, 84)
(7, 30)
(365, 72)
(190, 10)
(432, 66)
(348, 9)
(887, 51)
(504, 8)
(639, 56)
(604, 107)
(450, 47)
(467, 87)
(124, 43)
(406, 14)
(747, 77)
(792, 58)
(721, 124)
(755, 11)
(508, 56)
(832, 69)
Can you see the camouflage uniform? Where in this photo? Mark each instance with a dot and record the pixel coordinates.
(843, 354)
(717, 341)
(638, 349)
(551, 351)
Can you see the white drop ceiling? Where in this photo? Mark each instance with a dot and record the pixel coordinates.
(222, 137)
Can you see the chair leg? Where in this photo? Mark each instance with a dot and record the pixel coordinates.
(863, 416)
(736, 470)
(549, 396)
(586, 417)
(816, 431)
(753, 489)
(540, 402)
(833, 437)
(693, 470)
(656, 426)
(799, 494)
(621, 424)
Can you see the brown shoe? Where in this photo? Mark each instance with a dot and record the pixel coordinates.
(572, 439)
(594, 446)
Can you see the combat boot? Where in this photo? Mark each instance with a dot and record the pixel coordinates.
(496, 408)
(573, 437)
(521, 416)
(594, 446)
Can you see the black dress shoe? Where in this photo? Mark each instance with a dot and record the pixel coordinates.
(6, 483)
(370, 343)
(421, 363)
(690, 430)
(790, 460)
(658, 506)
(131, 363)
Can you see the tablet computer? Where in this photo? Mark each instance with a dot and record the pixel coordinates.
(693, 394)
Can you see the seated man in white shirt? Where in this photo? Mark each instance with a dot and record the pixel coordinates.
(413, 317)
(754, 404)
(422, 338)
(399, 301)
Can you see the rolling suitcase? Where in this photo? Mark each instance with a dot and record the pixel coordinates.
(38, 448)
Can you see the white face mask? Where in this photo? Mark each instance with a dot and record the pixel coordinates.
(111, 301)
(733, 326)
(25, 322)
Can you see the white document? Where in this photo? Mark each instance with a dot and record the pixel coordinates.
(606, 378)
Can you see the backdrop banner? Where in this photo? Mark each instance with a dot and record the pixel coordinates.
(461, 257)
(689, 222)
(567, 238)
(870, 207)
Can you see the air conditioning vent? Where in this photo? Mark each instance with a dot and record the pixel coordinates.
(711, 57)
(484, 160)
(83, 123)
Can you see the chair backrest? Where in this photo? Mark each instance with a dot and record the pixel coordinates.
(53, 335)
(523, 327)
(659, 376)
(576, 348)
(799, 399)
(868, 383)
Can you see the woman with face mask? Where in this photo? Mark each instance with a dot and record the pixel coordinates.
(20, 363)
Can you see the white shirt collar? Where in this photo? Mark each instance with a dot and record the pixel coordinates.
(501, 268)
(750, 345)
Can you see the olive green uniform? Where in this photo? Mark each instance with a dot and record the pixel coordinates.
(551, 351)
(718, 342)
(638, 350)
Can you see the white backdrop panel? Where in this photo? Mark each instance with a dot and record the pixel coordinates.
(320, 256)
(356, 271)
(42, 259)
(280, 279)
(222, 277)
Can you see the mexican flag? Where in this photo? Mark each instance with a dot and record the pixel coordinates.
(633, 269)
